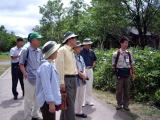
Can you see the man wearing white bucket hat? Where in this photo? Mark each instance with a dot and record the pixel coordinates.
(66, 66)
(90, 60)
(47, 85)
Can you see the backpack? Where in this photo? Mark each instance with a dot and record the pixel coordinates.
(122, 72)
(117, 58)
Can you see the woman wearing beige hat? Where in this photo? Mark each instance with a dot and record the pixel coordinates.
(47, 86)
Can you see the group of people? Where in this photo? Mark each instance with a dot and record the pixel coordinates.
(47, 72)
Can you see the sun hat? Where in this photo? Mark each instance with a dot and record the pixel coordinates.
(78, 43)
(69, 35)
(49, 48)
(87, 41)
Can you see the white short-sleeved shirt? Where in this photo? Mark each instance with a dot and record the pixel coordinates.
(15, 51)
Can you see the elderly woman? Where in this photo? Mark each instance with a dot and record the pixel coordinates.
(47, 85)
(81, 81)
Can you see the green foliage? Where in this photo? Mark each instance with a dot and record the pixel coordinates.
(147, 71)
(7, 40)
(104, 21)
(157, 96)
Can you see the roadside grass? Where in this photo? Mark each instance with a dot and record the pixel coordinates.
(4, 56)
(139, 111)
(3, 68)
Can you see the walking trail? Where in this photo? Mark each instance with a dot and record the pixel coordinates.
(13, 110)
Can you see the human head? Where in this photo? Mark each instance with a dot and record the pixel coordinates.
(49, 50)
(34, 39)
(87, 43)
(19, 42)
(124, 42)
(77, 49)
(70, 38)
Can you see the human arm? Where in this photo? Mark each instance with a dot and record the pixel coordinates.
(60, 67)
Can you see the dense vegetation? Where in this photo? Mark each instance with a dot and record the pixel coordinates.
(7, 40)
(103, 20)
(147, 69)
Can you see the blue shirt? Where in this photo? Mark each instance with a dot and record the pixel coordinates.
(81, 68)
(33, 62)
(47, 85)
(89, 57)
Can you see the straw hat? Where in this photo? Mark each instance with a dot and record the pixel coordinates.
(49, 48)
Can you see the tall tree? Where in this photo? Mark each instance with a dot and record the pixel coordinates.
(142, 14)
(51, 22)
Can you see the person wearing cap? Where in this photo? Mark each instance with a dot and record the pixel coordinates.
(81, 81)
(15, 53)
(66, 66)
(30, 60)
(47, 84)
(90, 60)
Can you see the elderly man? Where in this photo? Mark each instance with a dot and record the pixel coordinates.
(29, 62)
(66, 65)
(90, 60)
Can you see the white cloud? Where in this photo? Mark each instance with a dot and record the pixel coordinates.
(20, 16)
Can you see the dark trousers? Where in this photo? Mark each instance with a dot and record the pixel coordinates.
(122, 92)
(71, 88)
(16, 75)
(46, 114)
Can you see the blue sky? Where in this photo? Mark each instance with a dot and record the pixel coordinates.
(21, 16)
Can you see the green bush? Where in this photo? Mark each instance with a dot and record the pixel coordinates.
(147, 71)
(157, 96)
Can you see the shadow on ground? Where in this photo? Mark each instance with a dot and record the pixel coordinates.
(11, 103)
(121, 113)
(87, 110)
(18, 116)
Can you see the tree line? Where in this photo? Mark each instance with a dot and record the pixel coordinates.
(104, 21)
(7, 39)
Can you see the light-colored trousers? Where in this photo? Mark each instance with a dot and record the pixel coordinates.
(79, 99)
(89, 87)
(30, 104)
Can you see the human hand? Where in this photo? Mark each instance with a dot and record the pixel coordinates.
(62, 87)
(52, 107)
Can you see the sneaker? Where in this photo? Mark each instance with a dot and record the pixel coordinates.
(118, 107)
(81, 115)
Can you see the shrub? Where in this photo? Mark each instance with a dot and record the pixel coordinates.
(147, 71)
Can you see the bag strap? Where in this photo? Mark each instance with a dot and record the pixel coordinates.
(130, 60)
(27, 54)
(117, 58)
(26, 57)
